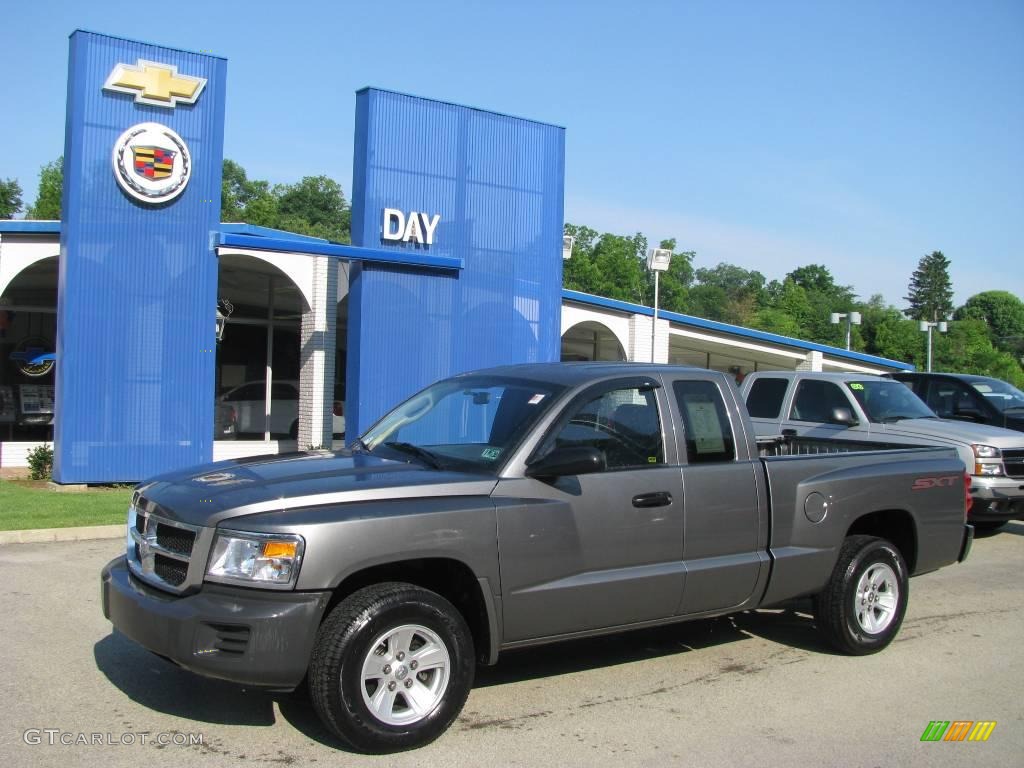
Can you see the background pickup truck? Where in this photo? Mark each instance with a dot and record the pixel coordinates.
(873, 409)
(513, 507)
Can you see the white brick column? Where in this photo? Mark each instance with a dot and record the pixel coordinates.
(811, 363)
(316, 375)
(640, 340)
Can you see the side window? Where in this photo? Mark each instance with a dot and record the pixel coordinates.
(815, 400)
(764, 400)
(950, 399)
(624, 423)
(705, 422)
(942, 398)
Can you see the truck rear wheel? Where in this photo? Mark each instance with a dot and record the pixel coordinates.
(862, 606)
(391, 668)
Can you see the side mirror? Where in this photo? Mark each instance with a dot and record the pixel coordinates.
(843, 416)
(574, 460)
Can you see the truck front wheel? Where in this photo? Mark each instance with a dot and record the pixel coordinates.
(862, 606)
(391, 668)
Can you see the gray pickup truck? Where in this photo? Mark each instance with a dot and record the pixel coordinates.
(872, 409)
(514, 507)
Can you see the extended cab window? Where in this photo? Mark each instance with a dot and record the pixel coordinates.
(706, 426)
(623, 423)
(815, 401)
(764, 400)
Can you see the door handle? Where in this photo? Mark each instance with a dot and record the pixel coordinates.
(658, 499)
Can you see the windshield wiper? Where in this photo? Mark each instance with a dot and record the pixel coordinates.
(422, 454)
(358, 446)
(893, 419)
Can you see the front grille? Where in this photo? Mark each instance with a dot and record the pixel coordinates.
(171, 571)
(159, 550)
(1013, 461)
(175, 539)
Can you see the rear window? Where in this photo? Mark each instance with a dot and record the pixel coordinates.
(764, 400)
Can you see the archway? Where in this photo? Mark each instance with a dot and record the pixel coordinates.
(591, 340)
(259, 358)
(28, 336)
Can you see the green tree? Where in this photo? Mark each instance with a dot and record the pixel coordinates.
(727, 293)
(580, 273)
(51, 187)
(931, 292)
(314, 206)
(887, 333)
(967, 348)
(1003, 313)
(824, 297)
(10, 198)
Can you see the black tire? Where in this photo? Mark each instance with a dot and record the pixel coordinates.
(988, 526)
(860, 612)
(348, 639)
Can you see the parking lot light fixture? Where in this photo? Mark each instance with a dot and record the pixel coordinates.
(658, 260)
(926, 326)
(852, 318)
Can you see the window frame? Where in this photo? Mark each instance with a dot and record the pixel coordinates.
(546, 443)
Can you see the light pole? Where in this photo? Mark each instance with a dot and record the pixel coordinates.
(926, 327)
(852, 318)
(658, 260)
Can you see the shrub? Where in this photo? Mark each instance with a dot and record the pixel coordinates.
(40, 462)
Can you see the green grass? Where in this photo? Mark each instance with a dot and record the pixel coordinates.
(25, 505)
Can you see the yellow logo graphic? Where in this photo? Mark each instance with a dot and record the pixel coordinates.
(158, 85)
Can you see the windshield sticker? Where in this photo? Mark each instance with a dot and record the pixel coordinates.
(535, 399)
(855, 386)
(491, 453)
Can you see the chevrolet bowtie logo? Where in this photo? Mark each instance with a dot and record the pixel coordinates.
(158, 85)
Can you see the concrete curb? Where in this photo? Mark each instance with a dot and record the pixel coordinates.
(46, 535)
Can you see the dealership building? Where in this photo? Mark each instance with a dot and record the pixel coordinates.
(141, 334)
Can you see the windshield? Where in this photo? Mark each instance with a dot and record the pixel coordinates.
(1003, 396)
(467, 423)
(887, 401)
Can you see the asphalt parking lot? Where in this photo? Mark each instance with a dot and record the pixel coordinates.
(758, 688)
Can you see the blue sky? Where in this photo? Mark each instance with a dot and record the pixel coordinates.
(765, 134)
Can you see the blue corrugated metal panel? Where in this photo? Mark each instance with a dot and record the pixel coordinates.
(734, 330)
(338, 251)
(497, 183)
(138, 283)
(32, 227)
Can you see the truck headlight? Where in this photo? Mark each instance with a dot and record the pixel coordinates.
(986, 451)
(988, 469)
(255, 559)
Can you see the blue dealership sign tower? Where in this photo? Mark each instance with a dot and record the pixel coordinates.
(449, 180)
(138, 275)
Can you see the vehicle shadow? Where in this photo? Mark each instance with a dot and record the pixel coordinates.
(160, 685)
(1014, 528)
(164, 687)
(791, 625)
